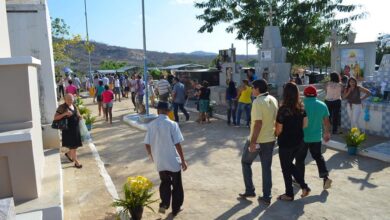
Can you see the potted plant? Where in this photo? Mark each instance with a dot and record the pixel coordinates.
(354, 138)
(137, 195)
(89, 120)
(84, 110)
(211, 108)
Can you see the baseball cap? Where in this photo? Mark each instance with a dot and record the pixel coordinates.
(310, 91)
(162, 106)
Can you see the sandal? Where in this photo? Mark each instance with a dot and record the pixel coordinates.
(305, 192)
(78, 166)
(67, 156)
(285, 197)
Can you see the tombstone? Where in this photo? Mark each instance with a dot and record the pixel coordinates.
(272, 64)
(29, 28)
(21, 151)
(229, 68)
(28, 176)
(353, 59)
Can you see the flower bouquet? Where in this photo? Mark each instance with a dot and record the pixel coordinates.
(137, 192)
(354, 138)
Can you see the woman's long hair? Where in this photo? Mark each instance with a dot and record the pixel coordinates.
(334, 77)
(231, 88)
(291, 98)
(349, 80)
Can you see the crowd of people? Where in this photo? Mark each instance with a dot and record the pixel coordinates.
(340, 87)
(296, 125)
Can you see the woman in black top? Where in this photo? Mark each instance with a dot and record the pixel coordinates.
(290, 121)
(231, 100)
(71, 137)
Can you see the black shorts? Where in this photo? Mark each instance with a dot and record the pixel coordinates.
(99, 98)
(127, 89)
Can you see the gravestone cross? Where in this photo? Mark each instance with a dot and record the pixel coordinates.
(270, 13)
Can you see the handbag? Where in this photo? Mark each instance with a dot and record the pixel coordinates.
(61, 124)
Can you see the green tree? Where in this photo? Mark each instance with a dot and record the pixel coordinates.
(382, 47)
(62, 42)
(111, 65)
(304, 24)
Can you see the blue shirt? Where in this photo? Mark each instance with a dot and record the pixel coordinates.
(231, 94)
(162, 135)
(180, 93)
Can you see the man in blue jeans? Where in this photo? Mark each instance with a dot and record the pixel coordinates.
(261, 140)
(179, 99)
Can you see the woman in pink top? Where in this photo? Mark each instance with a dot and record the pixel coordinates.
(108, 97)
(71, 89)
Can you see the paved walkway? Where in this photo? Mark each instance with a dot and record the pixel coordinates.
(214, 178)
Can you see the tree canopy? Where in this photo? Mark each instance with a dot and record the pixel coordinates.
(111, 65)
(61, 41)
(382, 47)
(304, 24)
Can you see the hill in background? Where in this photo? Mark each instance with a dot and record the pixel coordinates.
(135, 57)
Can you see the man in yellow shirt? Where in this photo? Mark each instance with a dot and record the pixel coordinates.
(261, 140)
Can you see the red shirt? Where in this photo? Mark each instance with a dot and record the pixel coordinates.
(108, 96)
(72, 89)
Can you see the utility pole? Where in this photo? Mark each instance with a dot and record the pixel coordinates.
(145, 61)
(89, 52)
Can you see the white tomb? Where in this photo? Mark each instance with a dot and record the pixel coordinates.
(28, 176)
(29, 28)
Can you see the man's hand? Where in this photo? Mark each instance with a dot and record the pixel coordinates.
(184, 165)
(326, 136)
(252, 147)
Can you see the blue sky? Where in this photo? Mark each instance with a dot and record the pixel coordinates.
(171, 25)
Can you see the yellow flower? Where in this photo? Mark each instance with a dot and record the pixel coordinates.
(354, 130)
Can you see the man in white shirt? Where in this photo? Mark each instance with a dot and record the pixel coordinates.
(117, 88)
(105, 80)
(163, 89)
(162, 142)
(66, 80)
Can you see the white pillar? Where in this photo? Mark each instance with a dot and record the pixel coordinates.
(5, 50)
(30, 35)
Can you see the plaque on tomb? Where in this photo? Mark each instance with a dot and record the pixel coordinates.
(352, 62)
(266, 55)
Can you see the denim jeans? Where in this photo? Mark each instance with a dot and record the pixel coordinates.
(315, 151)
(231, 111)
(176, 107)
(265, 152)
(171, 187)
(247, 109)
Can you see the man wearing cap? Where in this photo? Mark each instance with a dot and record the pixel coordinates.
(162, 142)
(318, 116)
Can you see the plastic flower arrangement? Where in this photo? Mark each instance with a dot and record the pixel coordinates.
(354, 138)
(137, 194)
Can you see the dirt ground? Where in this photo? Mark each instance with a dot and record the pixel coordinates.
(213, 180)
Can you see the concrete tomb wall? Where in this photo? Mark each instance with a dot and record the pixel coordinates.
(21, 151)
(5, 50)
(30, 35)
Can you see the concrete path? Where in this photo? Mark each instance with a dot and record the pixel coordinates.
(213, 180)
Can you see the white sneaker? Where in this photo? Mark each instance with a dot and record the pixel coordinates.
(327, 183)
